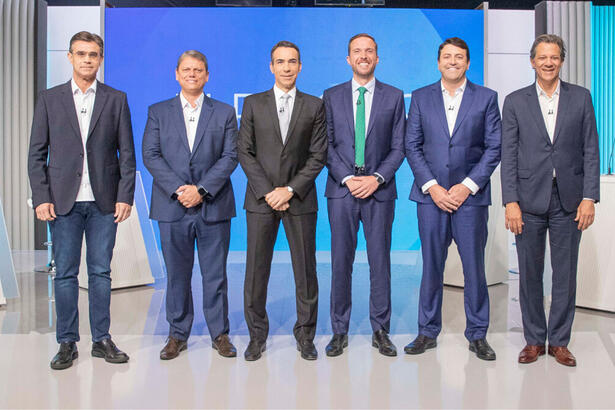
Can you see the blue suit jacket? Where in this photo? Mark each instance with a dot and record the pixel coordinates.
(472, 151)
(384, 143)
(529, 157)
(167, 156)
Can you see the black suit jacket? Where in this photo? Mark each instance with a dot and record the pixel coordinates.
(268, 163)
(55, 160)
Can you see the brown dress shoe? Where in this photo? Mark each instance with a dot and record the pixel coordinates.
(172, 348)
(223, 345)
(562, 355)
(530, 353)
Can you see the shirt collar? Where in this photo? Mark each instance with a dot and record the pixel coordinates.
(185, 103)
(540, 91)
(459, 90)
(369, 86)
(75, 88)
(279, 93)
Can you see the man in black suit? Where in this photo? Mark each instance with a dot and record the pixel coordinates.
(282, 148)
(82, 173)
(550, 182)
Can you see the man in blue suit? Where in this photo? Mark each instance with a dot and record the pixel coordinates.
(550, 181)
(365, 125)
(453, 145)
(189, 147)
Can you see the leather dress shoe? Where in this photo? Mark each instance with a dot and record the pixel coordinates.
(530, 353)
(172, 348)
(223, 345)
(336, 345)
(254, 350)
(65, 356)
(380, 340)
(307, 349)
(482, 349)
(420, 344)
(562, 355)
(108, 350)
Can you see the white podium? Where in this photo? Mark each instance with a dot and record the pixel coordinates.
(496, 251)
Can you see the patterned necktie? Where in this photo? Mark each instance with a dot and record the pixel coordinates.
(359, 130)
(284, 115)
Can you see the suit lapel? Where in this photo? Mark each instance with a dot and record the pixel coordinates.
(464, 107)
(376, 101)
(273, 113)
(295, 114)
(69, 105)
(99, 103)
(206, 112)
(347, 104)
(534, 107)
(438, 102)
(178, 114)
(562, 108)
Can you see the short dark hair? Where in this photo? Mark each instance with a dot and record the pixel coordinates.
(549, 38)
(194, 54)
(87, 37)
(356, 36)
(457, 42)
(286, 44)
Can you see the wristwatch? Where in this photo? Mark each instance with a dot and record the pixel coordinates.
(290, 189)
(379, 178)
(202, 191)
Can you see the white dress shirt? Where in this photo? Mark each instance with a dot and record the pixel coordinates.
(84, 104)
(451, 108)
(191, 116)
(548, 108)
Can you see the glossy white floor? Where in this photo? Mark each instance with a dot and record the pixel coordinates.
(447, 377)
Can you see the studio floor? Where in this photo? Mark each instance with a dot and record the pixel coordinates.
(447, 377)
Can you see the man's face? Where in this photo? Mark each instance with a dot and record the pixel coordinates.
(363, 57)
(285, 66)
(191, 75)
(453, 63)
(85, 57)
(547, 62)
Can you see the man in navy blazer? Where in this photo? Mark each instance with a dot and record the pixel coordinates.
(365, 125)
(550, 181)
(81, 166)
(189, 147)
(453, 145)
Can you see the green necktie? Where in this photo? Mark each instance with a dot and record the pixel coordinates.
(359, 130)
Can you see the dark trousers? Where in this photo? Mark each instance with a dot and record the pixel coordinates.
(564, 239)
(301, 234)
(212, 243)
(67, 236)
(377, 218)
(468, 227)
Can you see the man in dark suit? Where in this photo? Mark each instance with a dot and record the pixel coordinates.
(282, 148)
(453, 145)
(189, 147)
(365, 124)
(550, 181)
(81, 165)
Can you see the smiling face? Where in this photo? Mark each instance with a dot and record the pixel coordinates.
(453, 63)
(547, 62)
(363, 58)
(85, 56)
(285, 66)
(191, 75)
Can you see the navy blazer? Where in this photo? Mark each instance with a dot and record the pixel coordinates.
(472, 151)
(167, 156)
(55, 159)
(529, 157)
(384, 138)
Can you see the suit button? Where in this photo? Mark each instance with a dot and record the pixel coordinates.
(81, 155)
(447, 165)
(78, 174)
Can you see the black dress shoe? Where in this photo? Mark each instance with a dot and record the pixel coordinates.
(482, 349)
(108, 350)
(172, 349)
(65, 356)
(223, 345)
(254, 350)
(307, 349)
(420, 344)
(380, 339)
(336, 345)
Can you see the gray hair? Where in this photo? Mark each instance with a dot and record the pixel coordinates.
(549, 38)
(194, 54)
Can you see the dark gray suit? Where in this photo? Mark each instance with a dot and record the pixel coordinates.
(269, 163)
(528, 161)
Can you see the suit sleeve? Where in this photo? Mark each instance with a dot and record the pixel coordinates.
(510, 149)
(480, 174)
(389, 166)
(154, 161)
(127, 162)
(218, 175)
(591, 152)
(414, 141)
(258, 181)
(338, 168)
(304, 179)
(38, 152)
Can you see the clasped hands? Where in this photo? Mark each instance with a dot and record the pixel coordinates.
(278, 198)
(188, 196)
(449, 201)
(362, 186)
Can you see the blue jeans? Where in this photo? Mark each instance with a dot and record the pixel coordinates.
(67, 236)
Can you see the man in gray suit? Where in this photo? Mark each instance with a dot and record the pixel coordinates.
(282, 148)
(550, 182)
(82, 173)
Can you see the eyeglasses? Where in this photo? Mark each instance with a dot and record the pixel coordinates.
(82, 54)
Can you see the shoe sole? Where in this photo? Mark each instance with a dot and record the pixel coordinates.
(487, 358)
(427, 347)
(171, 358)
(335, 353)
(252, 359)
(101, 355)
(65, 365)
(232, 354)
(377, 346)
